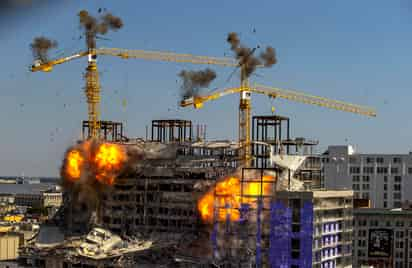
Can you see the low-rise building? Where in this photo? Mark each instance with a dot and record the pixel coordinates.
(9, 245)
(382, 238)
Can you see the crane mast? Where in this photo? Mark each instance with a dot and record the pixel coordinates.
(244, 117)
(92, 92)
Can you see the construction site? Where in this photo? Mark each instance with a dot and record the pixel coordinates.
(179, 199)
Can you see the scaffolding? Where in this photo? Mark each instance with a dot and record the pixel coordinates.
(270, 130)
(108, 131)
(176, 130)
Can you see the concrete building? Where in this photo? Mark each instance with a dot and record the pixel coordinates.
(328, 219)
(385, 179)
(382, 238)
(9, 245)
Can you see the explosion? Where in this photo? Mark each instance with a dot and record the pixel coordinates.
(100, 162)
(226, 195)
(74, 164)
(108, 160)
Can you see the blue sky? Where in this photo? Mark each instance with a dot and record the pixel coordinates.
(356, 51)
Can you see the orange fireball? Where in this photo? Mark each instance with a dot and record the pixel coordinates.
(108, 160)
(226, 197)
(74, 165)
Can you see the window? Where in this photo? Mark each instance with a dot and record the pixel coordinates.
(399, 244)
(382, 170)
(385, 187)
(399, 223)
(379, 160)
(374, 223)
(370, 160)
(397, 160)
(397, 204)
(399, 254)
(385, 204)
(398, 264)
(385, 179)
(394, 170)
(396, 187)
(409, 170)
(366, 178)
(355, 178)
(365, 186)
(353, 160)
(356, 187)
(399, 234)
(385, 195)
(361, 253)
(365, 195)
(398, 179)
(354, 170)
(397, 196)
(368, 170)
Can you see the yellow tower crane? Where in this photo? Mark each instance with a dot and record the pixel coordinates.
(245, 107)
(92, 88)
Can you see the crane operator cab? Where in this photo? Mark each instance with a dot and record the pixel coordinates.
(37, 63)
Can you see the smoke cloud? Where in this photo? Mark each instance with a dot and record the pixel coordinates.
(195, 81)
(100, 25)
(246, 55)
(269, 57)
(41, 46)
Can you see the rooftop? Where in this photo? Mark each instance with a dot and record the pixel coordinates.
(12, 189)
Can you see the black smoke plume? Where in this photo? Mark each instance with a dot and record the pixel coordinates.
(194, 81)
(246, 55)
(100, 25)
(41, 46)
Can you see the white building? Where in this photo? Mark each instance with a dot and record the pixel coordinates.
(385, 179)
(382, 238)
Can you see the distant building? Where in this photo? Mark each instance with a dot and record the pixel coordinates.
(385, 179)
(52, 199)
(382, 238)
(31, 195)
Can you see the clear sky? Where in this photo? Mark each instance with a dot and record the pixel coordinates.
(356, 51)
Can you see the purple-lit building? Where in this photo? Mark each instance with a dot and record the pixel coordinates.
(321, 230)
(291, 229)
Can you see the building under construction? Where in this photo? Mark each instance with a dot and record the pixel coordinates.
(273, 217)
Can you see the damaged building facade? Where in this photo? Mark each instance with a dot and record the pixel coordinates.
(272, 218)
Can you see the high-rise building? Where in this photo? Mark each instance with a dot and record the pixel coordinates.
(384, 179)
